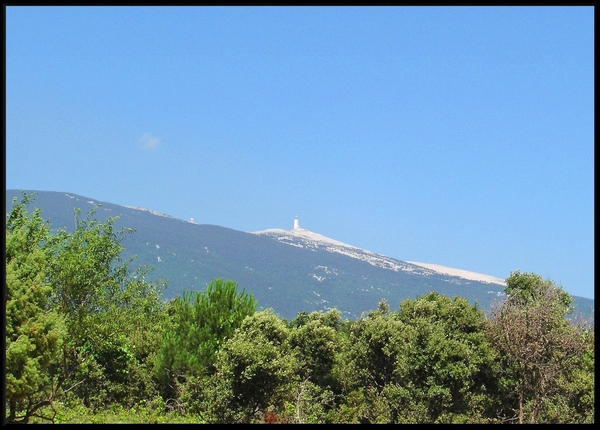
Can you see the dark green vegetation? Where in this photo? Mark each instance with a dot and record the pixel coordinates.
(286, 278)
(90, 341)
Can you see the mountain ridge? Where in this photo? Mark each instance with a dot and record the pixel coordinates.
(309, 239)
(290, 272)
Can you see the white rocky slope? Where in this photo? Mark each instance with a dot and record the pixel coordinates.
(307, 239)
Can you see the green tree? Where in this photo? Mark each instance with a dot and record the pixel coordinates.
(428, 363)
(447, 360)
(573, 401)
(34, 332)
(374, 339)
(102, 301)
(366, 366)
(255, 372)
(537, 344)
(314, 339)
(99, 302)
(200, 323)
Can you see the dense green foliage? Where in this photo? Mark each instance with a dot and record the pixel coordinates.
(429, 362)
(80, 325)
(89, 341)
(200, 322)
(34, 332)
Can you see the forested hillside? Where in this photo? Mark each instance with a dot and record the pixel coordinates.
(90, 340)
(289, 279)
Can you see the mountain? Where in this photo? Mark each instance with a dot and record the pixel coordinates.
(314, 241)
(288, 270)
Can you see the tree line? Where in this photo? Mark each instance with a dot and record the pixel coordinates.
(85, 334)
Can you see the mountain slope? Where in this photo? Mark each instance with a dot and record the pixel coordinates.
(287, 270)
(307, 239)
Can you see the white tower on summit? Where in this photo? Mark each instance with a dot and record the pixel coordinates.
(296, 227)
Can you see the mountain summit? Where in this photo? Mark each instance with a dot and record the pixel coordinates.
(309, 240)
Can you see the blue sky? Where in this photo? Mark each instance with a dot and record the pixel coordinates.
(459, 136)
